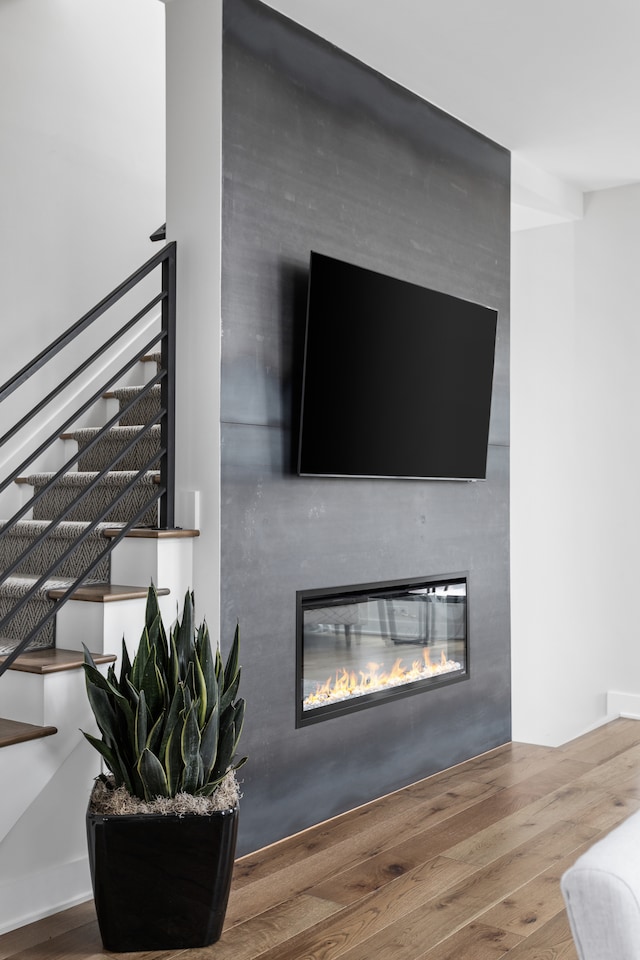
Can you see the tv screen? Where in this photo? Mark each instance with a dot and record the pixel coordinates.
(397, 378)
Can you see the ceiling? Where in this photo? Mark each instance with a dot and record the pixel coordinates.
(556, 81)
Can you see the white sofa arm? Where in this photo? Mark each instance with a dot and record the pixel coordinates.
(602, 895)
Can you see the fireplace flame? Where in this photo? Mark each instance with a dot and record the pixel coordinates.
(347, 683)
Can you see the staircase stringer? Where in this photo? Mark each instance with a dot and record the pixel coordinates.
(29, 767)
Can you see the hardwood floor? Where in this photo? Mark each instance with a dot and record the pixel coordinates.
(462, 866)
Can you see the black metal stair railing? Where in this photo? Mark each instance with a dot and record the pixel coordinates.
(160, 465)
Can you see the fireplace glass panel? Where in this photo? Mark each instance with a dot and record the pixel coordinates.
(361, 644)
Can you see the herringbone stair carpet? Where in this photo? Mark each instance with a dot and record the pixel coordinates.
(66, 492)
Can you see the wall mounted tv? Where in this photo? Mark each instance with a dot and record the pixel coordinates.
(397, 378)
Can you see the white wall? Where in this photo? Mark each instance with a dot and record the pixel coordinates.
(574, 460)
(82, 165)
(194, 182)
(82, 183)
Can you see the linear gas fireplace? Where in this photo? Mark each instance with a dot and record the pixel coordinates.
(361, 644)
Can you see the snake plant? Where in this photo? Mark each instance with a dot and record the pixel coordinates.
(170, 723)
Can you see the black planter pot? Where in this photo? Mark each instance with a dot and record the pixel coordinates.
(161, 881)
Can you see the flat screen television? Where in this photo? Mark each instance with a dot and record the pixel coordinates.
(397, 378)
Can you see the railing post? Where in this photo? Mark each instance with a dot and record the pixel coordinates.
(168, 390)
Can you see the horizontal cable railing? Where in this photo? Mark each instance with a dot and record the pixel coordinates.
(155, 473)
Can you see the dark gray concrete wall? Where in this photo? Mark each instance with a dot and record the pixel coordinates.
(320, 152)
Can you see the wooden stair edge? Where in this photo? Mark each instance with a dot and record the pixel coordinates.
(153, 533)
(54, 660)
(14, 731)
(107, 592)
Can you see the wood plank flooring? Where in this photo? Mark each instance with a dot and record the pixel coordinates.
(462, 866)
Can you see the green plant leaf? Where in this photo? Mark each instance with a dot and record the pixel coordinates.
(130, 776)
(190, 736)
(208, 788)
(107, 755)
(152, 775)
(184, 637)
(239, 763)
(112, 712)
(201, 633)
(87, 656)
(133, 694)
(142, 717)
(94, 676)
(153, 631)
(124, 721)
(173, 761)
(154, 688)
(238, 721)
(125, 666)
(154, 737)
(113, 680)
(190, 678)
(202, 692)
(190, 748)
(230, 693)
(173, 717)
(174, 665)
(207, 663)
(104, 712)
(231, 666)
(152, 607)
(140, 660)
(227, 716)
(209, 744)
(225, 750)
(158, 642)
(162, 687)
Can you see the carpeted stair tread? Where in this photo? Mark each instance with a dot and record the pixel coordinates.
(86, 434)
(106, 449)
(128, 393)
(100, 500)
(67, 530)
(60, 538)
(21, 625)
(143, 410)
(78, 478)
(18, 586)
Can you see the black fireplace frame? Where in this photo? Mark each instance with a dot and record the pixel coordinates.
(326, 596)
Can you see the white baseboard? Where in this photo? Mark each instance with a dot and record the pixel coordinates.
(623, 705)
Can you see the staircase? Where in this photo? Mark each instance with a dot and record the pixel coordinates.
(89, 525)
(105, 483)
